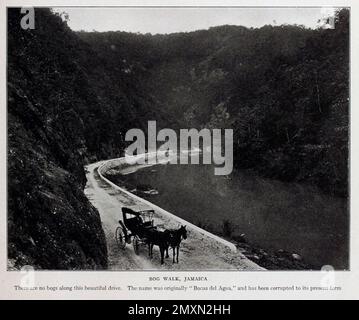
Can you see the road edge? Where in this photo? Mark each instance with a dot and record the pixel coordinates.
(100, 169)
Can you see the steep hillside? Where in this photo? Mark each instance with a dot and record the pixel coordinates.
(58, 118)
(51, 224)
(284, 90)
(73, 95)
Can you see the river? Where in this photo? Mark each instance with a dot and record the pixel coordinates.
(272, 214)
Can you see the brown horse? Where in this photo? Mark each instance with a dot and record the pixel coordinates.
(174, 240)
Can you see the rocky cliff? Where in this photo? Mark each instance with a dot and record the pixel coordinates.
(51, 224)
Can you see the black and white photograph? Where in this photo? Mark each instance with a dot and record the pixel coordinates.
(178, 138)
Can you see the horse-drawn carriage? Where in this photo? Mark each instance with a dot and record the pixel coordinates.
(134, 227)
(138, 227)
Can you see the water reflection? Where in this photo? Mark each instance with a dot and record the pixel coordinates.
(273, 215)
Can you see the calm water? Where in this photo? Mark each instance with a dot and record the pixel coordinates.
(273, 215)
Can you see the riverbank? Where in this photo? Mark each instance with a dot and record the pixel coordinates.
(280, 259)
(198, 252)
(268, 259)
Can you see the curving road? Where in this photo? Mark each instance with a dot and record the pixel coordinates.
(201, 250)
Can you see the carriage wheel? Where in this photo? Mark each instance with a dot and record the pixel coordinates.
(120, 238)
(136, 244)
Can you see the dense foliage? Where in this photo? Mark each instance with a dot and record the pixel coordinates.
(67, 106)
(51, 224)
(284, 90)
(72, 96)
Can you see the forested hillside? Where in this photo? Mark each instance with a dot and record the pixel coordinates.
(64, 110)
(284, 90)
(73, 95)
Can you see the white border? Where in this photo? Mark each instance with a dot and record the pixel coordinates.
(347, 280)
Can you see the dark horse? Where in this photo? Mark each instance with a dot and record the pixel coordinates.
(174, 241)
(159, 238)
(164, 240)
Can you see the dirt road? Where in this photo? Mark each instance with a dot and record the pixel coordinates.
(198, 252)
